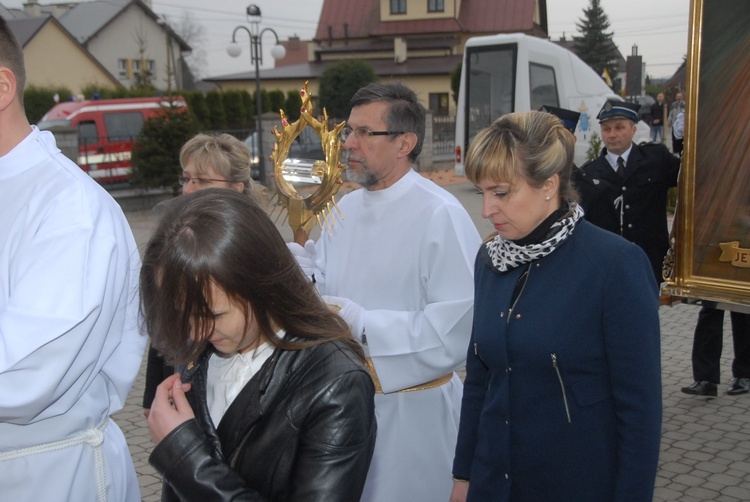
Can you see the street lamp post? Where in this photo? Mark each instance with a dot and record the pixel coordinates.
(256, 58)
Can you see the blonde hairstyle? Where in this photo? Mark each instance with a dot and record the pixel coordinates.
(532, 146)
(226, 155)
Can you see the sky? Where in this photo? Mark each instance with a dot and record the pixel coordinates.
(658, 27)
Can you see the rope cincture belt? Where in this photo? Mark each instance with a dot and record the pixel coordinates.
(441, 380)
(93, 437)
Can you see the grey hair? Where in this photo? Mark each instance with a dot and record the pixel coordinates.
(405, 113)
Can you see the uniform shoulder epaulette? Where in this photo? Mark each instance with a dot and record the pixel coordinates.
(587, 164)
(649, 145)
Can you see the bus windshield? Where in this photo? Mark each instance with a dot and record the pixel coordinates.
(490, 85)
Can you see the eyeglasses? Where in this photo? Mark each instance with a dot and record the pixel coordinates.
(184, 180)
(360, 132)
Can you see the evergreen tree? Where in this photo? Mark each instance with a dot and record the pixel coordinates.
(339, 82)
(292, 105)
(156, 152)
(595, 45)
(234, 108)
(249, 104)
(218, 116)
(277, 99)
(196, 102)
(265, 101)
(456, 81)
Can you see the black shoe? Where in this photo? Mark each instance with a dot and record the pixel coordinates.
(702, 388)
(739, 386)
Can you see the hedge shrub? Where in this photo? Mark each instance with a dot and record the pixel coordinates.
(38, 100)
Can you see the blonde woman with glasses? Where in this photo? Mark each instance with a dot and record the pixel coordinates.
(208, 161)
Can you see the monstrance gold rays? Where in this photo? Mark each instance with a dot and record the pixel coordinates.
(304, 211)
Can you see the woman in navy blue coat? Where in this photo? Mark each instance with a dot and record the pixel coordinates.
(562, 397)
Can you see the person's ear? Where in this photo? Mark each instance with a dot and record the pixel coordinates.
(7, 87)
(552, 185)
(406, 143)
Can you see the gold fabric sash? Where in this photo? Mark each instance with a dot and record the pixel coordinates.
(441, 380)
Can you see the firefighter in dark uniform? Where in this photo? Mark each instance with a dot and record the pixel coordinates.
(625, 189)
(592, 194)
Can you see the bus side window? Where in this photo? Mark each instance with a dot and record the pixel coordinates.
(543, 86)
(123, 126)
(87, 134)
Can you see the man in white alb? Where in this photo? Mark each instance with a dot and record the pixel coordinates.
(400, 266)
(70, 347)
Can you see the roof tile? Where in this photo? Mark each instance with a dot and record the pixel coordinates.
(362, 18)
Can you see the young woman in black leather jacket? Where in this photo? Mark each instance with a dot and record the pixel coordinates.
(273, 401)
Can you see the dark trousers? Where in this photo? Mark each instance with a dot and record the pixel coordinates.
(156, 371)
(707, 344)
(677, 146)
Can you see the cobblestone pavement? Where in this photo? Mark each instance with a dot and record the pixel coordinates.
(705, 447)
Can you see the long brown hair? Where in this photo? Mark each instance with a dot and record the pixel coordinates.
(222, 237)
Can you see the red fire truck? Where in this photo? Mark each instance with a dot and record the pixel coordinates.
(106, 130)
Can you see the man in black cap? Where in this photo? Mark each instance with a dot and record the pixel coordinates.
(625, 189)
(569, 118)
(592, 194)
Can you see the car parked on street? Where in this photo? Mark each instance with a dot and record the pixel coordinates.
(644, 112)
(304, 151)
(252, 142)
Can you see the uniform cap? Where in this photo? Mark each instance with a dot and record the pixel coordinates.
(614, 109)
(569, 118)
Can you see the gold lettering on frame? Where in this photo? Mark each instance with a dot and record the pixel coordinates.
(732, 252)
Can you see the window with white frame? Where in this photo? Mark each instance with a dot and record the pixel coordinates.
(439, 103)
(435, 6)
(122, 68)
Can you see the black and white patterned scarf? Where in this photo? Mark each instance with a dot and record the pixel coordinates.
(505, 255)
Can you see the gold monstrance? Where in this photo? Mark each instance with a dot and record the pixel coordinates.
(303, 212)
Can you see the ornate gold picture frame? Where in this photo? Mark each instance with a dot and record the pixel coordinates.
(712, 221)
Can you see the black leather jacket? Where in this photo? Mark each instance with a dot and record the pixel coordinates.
(302, 429)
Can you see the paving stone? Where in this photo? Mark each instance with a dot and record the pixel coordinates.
(739, 492)
(711, 467)
(731, 455)
(699, 455)
(693, 478)
(742, 466)
(726, 478)
(700, 493)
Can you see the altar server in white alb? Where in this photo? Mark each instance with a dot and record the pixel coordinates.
(70, 347)
(400, 266)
